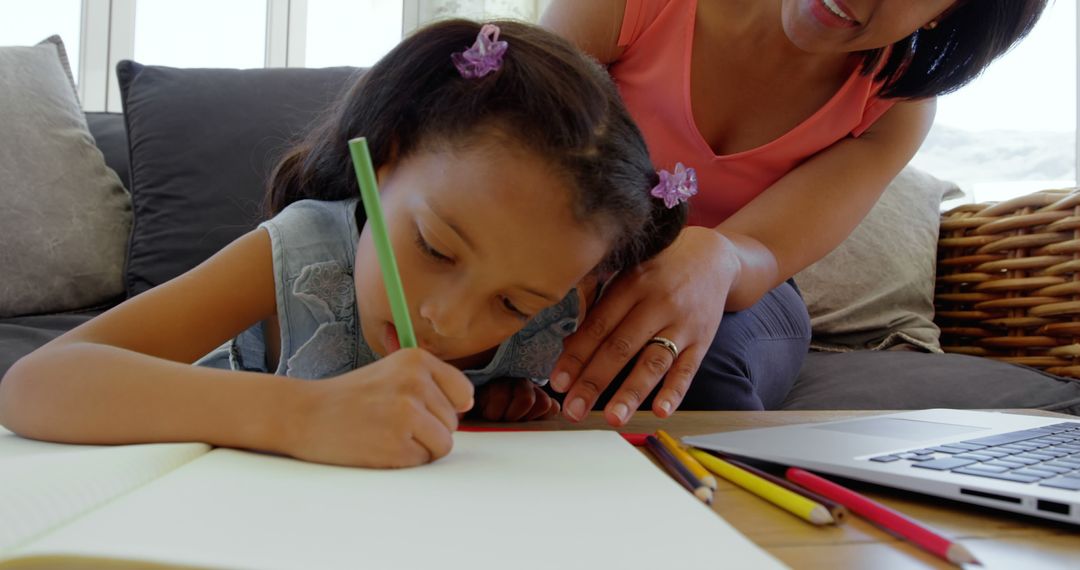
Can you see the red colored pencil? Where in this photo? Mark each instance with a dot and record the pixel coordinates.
(635, 439)
(884, 517)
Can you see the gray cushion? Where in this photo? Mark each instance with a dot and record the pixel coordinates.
(21, 336)
(876, 289)
(202, 145)
(66, 216)
(908, 380)
(110, 134)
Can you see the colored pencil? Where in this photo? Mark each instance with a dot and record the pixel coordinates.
(838, 511)
(635, 439)
(794, 503)
(369, 194)
(686, 459)
(677, 471)
(885, 517)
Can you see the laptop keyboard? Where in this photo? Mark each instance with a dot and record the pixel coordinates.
(1048, 456)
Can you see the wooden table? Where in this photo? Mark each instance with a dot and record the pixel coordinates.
(997, 538)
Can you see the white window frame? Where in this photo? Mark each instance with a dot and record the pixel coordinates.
(108, 36)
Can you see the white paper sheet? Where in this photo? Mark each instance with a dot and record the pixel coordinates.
(522, 500)
(43, 485)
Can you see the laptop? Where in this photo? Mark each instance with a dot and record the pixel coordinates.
(1024, 464)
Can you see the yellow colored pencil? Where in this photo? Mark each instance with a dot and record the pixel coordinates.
(792, 502)
(686, 459)
(678, 471)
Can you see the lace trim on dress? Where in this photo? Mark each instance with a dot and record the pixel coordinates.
(326, 289)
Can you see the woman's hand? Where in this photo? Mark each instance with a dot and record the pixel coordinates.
(514, 400)
(679, 295)
(400, 411)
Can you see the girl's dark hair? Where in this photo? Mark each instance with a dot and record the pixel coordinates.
(937, 61)
(547, 97)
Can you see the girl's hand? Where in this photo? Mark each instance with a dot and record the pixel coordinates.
(400, 411)
(679, 295)
(514, 400)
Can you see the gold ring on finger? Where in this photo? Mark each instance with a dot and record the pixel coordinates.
(666, 343)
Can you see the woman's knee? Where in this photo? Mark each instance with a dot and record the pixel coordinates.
(755, 356)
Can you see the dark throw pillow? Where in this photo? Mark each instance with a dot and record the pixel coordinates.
(202, 145)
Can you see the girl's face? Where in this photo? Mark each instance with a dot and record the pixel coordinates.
(485, 239)
(833, 26)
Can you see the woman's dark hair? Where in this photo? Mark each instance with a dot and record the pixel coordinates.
(547, 96)
(940, 60)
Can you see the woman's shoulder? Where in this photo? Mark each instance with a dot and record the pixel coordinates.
(642, 16)
(604, 28)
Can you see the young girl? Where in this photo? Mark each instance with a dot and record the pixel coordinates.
(510, 174)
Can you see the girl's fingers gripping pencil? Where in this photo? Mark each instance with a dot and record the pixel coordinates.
(369, 194)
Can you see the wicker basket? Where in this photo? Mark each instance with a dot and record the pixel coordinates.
(1008, 284)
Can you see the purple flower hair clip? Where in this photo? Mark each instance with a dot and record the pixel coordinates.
(485, 55)
(676, 187)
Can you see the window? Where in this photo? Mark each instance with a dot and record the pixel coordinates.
(1013, 130)
(351, 32)
(528, 10)
(359, 32)
(27, 23)
(201, 33)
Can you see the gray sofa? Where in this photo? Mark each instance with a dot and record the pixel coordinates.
(194, 148)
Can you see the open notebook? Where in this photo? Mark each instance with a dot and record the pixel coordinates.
(580, 499)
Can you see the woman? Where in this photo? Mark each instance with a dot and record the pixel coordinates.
(795, 115)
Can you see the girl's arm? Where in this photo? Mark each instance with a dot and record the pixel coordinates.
(126, 376)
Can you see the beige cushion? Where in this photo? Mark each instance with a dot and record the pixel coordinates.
(876, 290)
(66, 216)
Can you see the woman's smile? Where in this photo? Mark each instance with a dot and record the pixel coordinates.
(832, 13)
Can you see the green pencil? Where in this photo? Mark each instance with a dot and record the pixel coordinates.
(369, 194)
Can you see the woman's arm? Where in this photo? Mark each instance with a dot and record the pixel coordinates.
(126, 376)
(683, 293)
(593, 26)
(812, 209)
